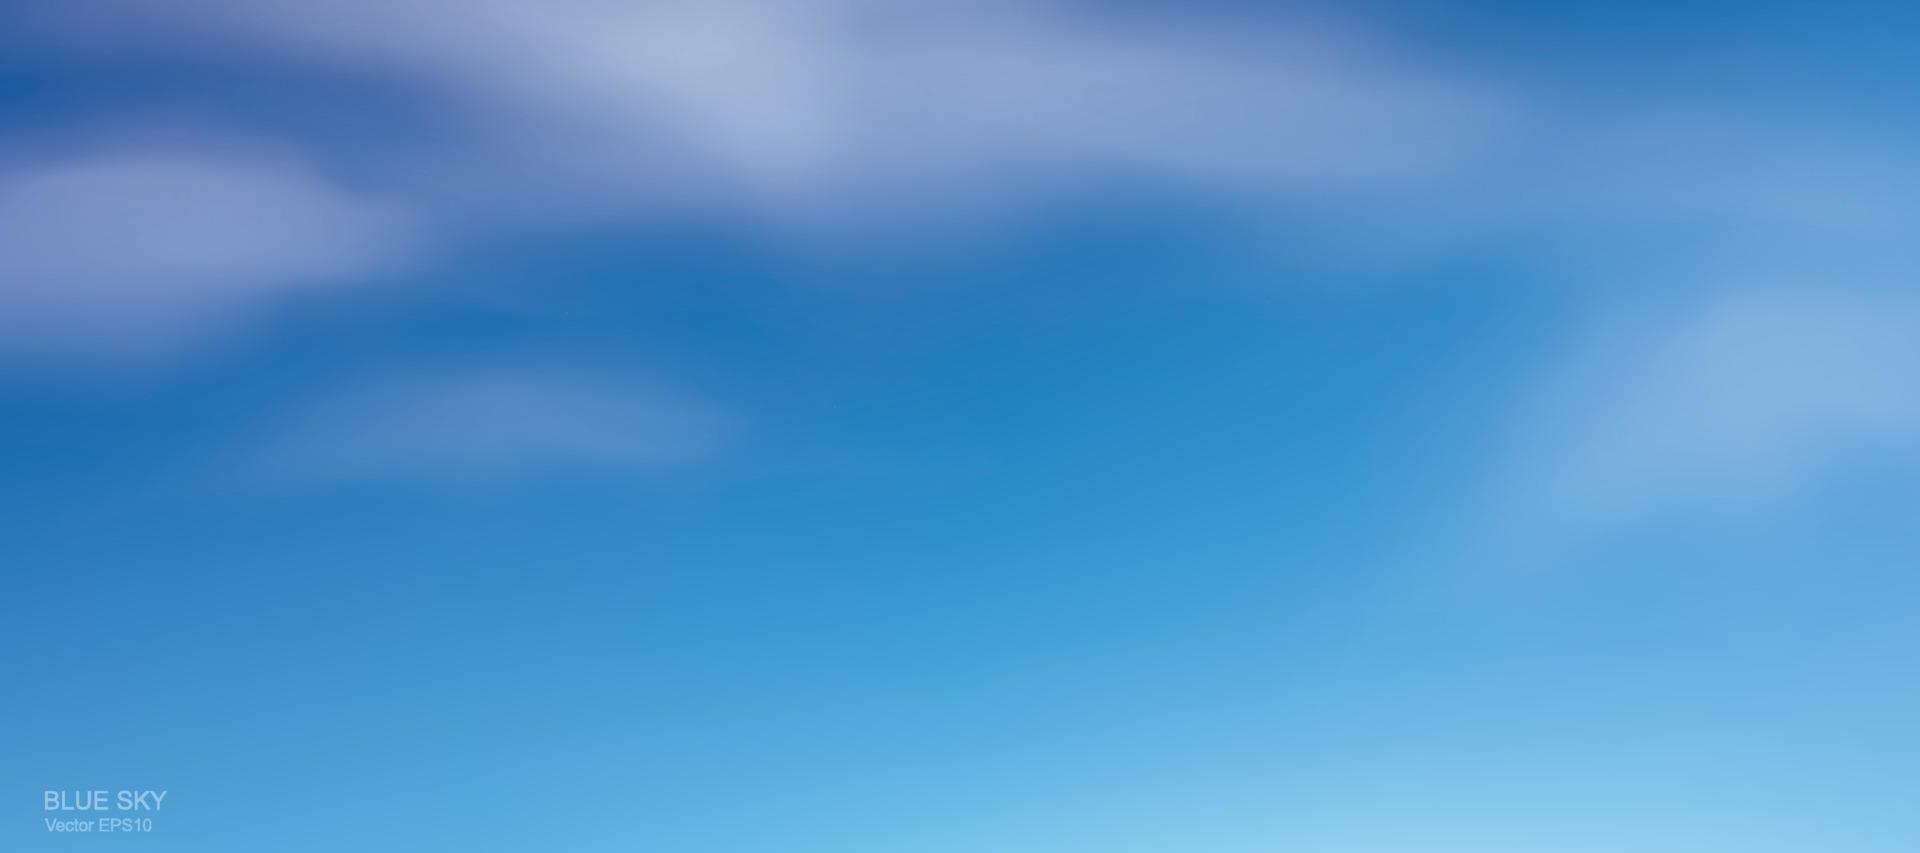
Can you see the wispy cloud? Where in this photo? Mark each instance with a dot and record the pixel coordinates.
(883, 116)
(1734, 406)
(809, 112)
(824, 102)
(484, 425)
(134, 252)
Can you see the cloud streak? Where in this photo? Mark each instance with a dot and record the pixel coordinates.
(1733, 406)
(809, 114)
(815, 101)
(478, 426)
(138, 252)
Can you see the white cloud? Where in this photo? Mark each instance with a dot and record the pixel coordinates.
(815, 113)
(819, 102)
(880, 115)
(1736, 405)
(135, 252)
(486, 425)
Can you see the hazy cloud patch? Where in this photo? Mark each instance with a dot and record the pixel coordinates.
(485, 425)
(1733, 406)
(826, 102)
(136, 252)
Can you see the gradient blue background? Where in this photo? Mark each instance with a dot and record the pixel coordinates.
(1119, 519)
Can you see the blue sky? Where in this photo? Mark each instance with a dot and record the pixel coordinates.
(842, 426)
